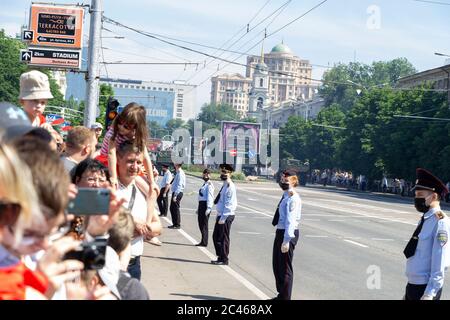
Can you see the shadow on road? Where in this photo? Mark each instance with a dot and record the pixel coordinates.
(177, 259)
(179, 244)
(200, 297)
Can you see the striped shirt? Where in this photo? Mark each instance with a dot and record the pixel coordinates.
(105, 145)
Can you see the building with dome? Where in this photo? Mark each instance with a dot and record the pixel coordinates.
(290, 76)
(271, 79)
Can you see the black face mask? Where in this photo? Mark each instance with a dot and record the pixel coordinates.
(205, 179)
(223, 177)
(420, 205)
(284, 186)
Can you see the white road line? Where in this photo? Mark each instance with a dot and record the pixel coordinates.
(333, 208)
(336, 220)
(354, 238)
(251, 199)
(248, 232)
(228, 269)
(356, 243)
(311, 219)
(255, 211)
(381, 239)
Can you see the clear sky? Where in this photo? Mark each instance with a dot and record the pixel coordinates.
(337, 31)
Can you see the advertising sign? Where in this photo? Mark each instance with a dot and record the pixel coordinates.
(56, 26)
(237, 135)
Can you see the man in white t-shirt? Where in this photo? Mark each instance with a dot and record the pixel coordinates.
(129, 160)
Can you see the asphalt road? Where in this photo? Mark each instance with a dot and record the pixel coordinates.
(350, 247)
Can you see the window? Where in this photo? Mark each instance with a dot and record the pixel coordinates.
(261, 82)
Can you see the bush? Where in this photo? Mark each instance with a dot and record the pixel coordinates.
(238, 176)
(193, 168)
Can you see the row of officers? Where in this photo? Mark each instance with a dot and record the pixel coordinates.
(286, 219)
(427, 252)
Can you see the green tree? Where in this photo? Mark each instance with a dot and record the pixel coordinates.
(212, 114)
(341, 82)
(173, 124)
(11, 68)
(106, 91)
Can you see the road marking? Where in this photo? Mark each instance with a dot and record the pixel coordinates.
(255, 211)
(311, 219)
(356, 243)
(252, 199)
(228, 269)
(248, 232)
(333, 208)
(381, 239)
(336, 220)
(354, 238)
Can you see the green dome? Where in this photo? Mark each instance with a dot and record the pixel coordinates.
(281, 48)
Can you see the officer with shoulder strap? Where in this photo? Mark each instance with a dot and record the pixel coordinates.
(205, 203)
(427, 251)
(286, 219)
(226, 206)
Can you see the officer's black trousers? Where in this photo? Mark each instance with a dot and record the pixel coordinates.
(175, 209)
(203, 219)
(221, 238)
(163, 202)
(282, 264)
(416, 291)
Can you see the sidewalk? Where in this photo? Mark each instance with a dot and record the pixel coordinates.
(178, 270)
(444, 205)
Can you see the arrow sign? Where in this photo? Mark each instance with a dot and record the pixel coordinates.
(27, 35)
(25, 55)
(251, 154)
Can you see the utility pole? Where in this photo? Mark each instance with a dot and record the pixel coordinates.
(93, 75)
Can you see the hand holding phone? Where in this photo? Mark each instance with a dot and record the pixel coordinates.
(90, 201)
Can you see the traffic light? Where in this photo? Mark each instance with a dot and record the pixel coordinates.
(111, 111)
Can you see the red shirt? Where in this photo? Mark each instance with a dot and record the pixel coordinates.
(14, 280)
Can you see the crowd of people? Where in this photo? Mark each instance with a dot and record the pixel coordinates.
(49, 250)
(346, 179)
(54, 246)
(46, 252)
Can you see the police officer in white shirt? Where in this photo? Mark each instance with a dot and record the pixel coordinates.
(205, 203)
(428, 251)
(164, 186)
(226, 206)
(286, 219)
(178, 185)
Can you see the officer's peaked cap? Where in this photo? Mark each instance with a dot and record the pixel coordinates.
(227, 167)
(427, 181)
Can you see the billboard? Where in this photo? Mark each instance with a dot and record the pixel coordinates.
(240, 138)
(54, 26)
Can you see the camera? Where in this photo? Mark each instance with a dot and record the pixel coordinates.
(92, 254)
